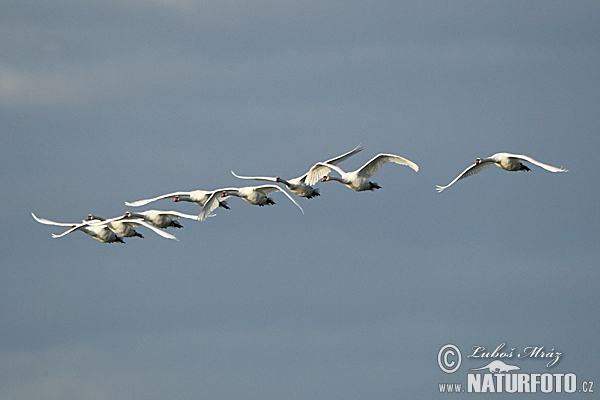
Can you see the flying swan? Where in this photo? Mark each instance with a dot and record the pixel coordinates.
(506, 161)
(357, 180)
(99, 229)
(256, 195)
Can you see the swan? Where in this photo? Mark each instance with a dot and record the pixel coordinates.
(256, 195)
(125, 227)
(100, 229)
(298, 185)
(160, 219)
(96, 229)
(195, 196)
(506, 161)
(357, 180)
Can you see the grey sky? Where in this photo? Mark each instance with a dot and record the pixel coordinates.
(106, 102)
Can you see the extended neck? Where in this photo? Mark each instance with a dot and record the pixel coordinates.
(335, 178)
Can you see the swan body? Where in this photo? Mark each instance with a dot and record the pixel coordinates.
(195, 196)
(357, 180)
(96, 229)
(256, 195)
(298, 185)
(160, 219)
(506, 161)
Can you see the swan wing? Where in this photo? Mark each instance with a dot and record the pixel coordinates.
(539, 164)
(73, 228)
(373, 165)
(48, 222)
(470, 170)
(256, 178)
(345, 156)
(160, 232)
(177, 214)
(213, 202)
(278, 189)
(319, 170)
(164, 196)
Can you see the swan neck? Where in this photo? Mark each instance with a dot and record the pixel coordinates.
(335, 178)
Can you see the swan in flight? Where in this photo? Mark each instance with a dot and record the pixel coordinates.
(98, 229)
(298, 186)
(125, 227)
(195, 196)
(160, 219)
(256, 195)
(357, 180)
(506, 161)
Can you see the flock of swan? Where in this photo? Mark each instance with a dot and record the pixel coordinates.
(113, 230)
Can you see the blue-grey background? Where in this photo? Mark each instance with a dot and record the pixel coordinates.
(103, 102)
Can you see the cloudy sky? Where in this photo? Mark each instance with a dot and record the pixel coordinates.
(103, 102)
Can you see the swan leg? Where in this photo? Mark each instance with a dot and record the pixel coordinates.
(137, 234)
(224, 205)
(176, 224)
(374, 186)
(268, 202)
(524, 168)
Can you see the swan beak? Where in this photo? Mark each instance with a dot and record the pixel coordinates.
(176, 199)
(324, 179)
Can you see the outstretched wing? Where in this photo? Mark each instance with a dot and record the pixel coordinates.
(322, 168)
(160, 232)
(256, 178)
(345, 156)
(164, 196)
(212, 203)
(539, 164)
(72, 229)
(48, 222)
(372, 166)
(319, 170)
(471, 170)
(177, 214)
(266, 189)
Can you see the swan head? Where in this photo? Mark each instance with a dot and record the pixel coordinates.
(477, 161)
(176, 199)
(92, 217)
(325, 178)
(278, 179)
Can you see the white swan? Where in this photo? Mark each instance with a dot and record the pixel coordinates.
(97, 229)
(256, 195)
(357, 180)
(161, 219)
(298, 185)
(125, 227)
(195, 196)
(506, 161)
